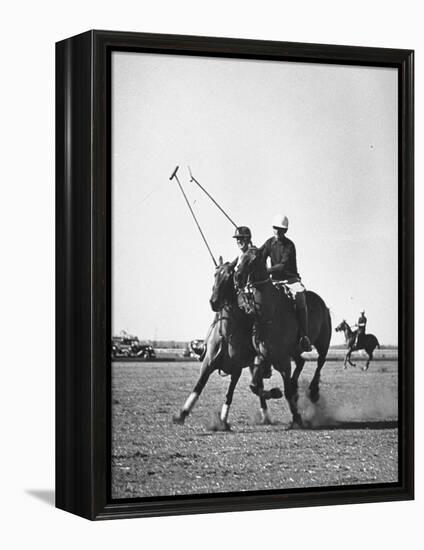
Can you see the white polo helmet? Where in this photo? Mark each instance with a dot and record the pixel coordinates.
(280, 221)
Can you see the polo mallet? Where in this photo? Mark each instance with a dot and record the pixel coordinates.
(192, 178)
(174, 175)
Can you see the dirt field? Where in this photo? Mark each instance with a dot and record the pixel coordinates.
(353, 440)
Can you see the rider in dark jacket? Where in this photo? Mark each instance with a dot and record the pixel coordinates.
(282, 253)
(361, 324)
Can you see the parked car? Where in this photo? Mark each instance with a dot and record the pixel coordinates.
(143, 351)
(130, 346)
(196, 347)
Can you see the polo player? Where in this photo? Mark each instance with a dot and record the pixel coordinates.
(361, 324)
(243, 236)
(282, 253)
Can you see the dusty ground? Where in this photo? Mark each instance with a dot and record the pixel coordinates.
(354, 438)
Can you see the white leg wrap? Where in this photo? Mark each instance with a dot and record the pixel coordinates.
(191, 400)
(224, 412)
(265, 415)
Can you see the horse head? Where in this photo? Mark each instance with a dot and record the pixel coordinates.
(341, 327)
(251, 268)
(223, 287)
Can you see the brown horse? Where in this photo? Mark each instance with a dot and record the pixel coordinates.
(228, 346)
(277, 326)
(368, 342)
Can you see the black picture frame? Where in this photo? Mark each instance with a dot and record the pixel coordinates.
(83, 215)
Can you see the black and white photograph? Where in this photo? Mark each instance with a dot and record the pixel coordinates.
(254, 275)
(211, 237)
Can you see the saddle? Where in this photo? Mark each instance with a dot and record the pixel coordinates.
(282, 287)
(246, 300)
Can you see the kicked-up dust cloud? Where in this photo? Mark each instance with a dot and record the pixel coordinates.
(380, 405)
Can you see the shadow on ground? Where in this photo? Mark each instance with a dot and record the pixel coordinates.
(367, 425)
(45, 495)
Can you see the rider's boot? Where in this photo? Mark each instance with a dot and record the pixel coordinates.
(302, 316)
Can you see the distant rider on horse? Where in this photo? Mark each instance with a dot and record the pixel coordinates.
(282, 253)
(361, 324)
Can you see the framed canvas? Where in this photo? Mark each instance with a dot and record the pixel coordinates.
(234, 274)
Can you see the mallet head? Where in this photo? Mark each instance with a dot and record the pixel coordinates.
(174, 173)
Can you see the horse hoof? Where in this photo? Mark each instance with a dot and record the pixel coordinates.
(266, 421)
(220, 426)
(178, 419)
(275, 393)
(314, 397)
(296, 424)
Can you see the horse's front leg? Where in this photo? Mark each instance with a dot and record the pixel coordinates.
(350, 361)
(265, 418)
(345, 360)
(205, 371)
(257, 385)
(225, 411)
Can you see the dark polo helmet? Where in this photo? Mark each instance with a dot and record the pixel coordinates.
(242, 231)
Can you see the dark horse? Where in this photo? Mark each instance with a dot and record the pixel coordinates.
(228, 346)
(277, 327)
(368, 342)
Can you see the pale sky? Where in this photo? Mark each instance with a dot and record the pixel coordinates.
(315, 142)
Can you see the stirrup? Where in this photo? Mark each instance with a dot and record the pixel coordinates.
(305, 343)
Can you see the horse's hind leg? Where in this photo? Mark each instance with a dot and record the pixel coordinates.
(368, 361)
(290, 390)
(300, 362)
(205, 372)
(229, 399)
(314, 385)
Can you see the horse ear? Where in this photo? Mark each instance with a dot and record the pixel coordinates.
(220, 260)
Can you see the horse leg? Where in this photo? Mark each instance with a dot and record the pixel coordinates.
(229, 399)
(205, 372)
(368, 361)
(314, 385)
(349, 360)
(300, 362)
(322, 344)
(265, 418)
(283, 365)
(257, 387)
